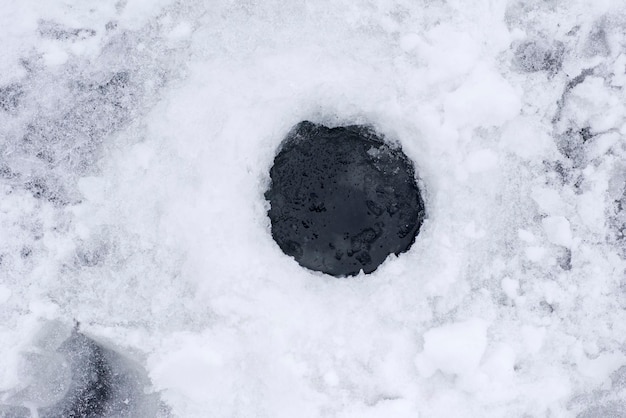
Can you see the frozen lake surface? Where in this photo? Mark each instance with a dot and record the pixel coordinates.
(136, 139)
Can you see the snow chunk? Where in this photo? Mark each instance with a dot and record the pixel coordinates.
(5, 294)
(499, 365)
(331, 378)
(525, 138)
(548, 200)
(591, 208)
(533, 338)
(558, 230)
(448, 52)
(137, 12)
(54, 55)
(595, 104)
(485, 99)
(482, 160)
(472, 231)
(510, 287)
(181, 31)
(455, 348)
(410, 41)
(602, 367)
(92, 188)
(189, 371)
(535, 253)
(525, 235)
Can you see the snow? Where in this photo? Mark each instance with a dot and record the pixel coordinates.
(558, 231)
(133, 164)
(510, 287)
(484, 100)
(454, 348)
(5, 294)
(482, 160)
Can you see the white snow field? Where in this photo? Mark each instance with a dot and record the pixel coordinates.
(136, 139)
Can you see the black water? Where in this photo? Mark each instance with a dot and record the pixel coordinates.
(342, 199)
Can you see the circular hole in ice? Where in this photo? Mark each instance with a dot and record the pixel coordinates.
(342, 199)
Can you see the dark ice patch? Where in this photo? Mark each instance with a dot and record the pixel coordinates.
(617, 220)
(571, 144)
(48, 190)
(94, 251)
(6, 172)
(88, 101)
(53, 30)
(89, 257)
(564, 258)
(70, 375)
(616, 409)
(539, 55)
(103, 384)
(342, 199)
(8, 411)
(597, 43)
(72, 141)
(91, 388)
(10, 97)
(608, 403)
(26, 252)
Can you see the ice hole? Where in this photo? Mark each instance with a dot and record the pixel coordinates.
(342, 199)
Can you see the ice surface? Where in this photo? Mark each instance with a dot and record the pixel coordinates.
(136, 139)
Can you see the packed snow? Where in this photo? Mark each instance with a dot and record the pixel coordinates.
(136, 139)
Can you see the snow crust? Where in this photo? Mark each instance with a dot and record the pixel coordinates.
(136, 139)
